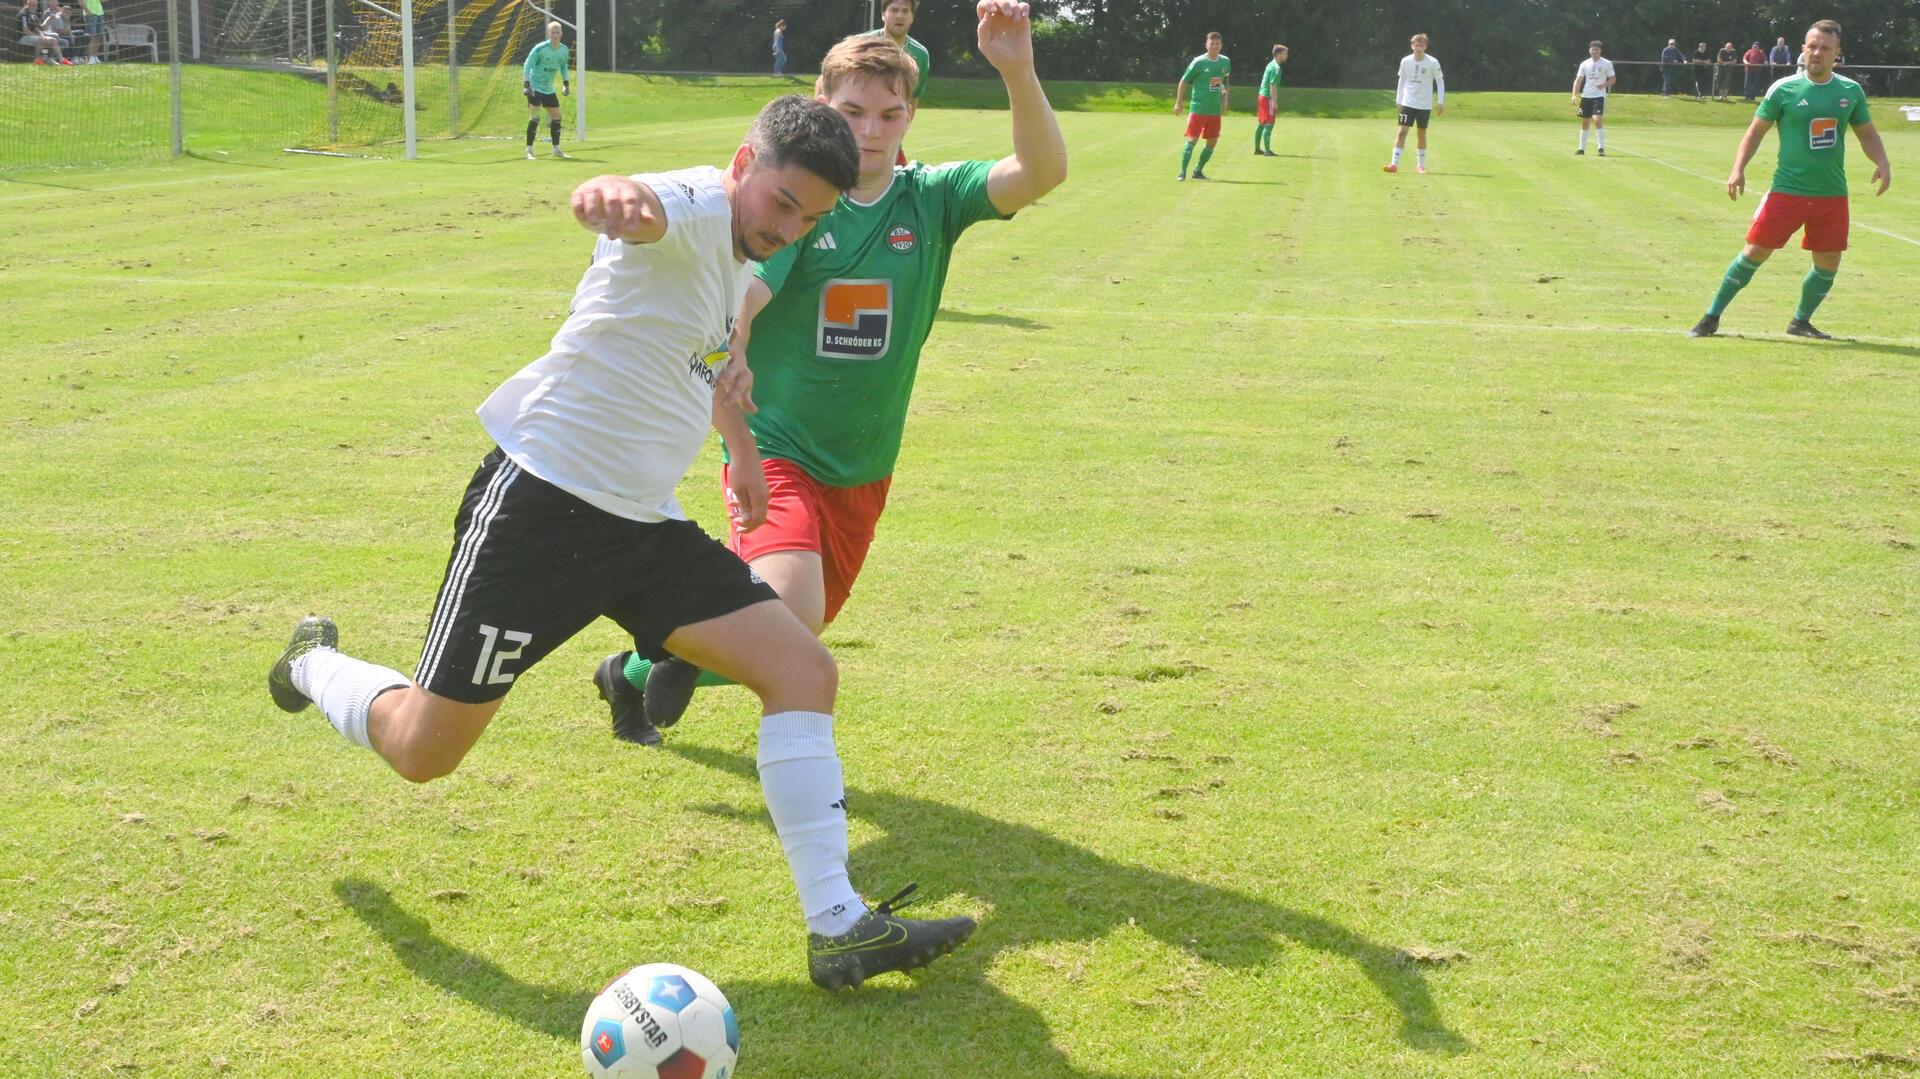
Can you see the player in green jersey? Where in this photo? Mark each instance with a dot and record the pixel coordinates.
(832, 332)
(1269, 103)
(1814, 110)
(1206, 78)
(544, 61)
(895, 20)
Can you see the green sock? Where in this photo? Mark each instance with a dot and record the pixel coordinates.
(1205, 152)
(1739, 272)
(1269, 138)
(1813, 289)
(1259, 132)
(1186, 155)
(637, 669)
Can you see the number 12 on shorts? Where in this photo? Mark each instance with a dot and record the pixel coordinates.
(487, 671)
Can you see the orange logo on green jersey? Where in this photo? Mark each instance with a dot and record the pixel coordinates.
(856, 319)
(1823, 133)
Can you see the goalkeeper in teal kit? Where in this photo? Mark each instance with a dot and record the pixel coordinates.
(544, 61)
(832, 328)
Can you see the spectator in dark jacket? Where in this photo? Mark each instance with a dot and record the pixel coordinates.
(1702, 70)
(1670, 60)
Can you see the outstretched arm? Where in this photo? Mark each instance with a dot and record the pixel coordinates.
(1039, 161)
(621, 208)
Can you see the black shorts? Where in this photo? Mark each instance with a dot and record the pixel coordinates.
(1593, 106)
(533, 565)
(537, 100)
(1412, 117)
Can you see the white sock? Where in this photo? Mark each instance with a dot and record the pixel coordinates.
(800, 778)
(1396, 155)
(1583, 138)
(1423, 159)
(1601, 134)
(344, 688)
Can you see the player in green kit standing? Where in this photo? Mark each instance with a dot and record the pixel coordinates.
(833, 330)
(895, 20)
(1206, 80)
(544, 61)
(1814, 110)
(1269, 103)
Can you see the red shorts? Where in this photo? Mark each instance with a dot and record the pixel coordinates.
(1202, 127)
(804, 514)
(1266, 110)
(1779, 216)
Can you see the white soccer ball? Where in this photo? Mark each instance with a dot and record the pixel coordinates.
(660, 1021)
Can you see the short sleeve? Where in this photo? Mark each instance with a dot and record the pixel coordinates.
(774, 270)
(1188, 76)
(1860, 117)
(1769, 109)
(961, 188)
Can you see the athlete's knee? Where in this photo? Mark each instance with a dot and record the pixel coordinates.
(418, 763)
(806, 679)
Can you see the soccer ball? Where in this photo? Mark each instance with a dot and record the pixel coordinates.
(660, 1021)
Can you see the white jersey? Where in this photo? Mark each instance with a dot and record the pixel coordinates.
(1594, 75)
(1420, 83)
(620, 405)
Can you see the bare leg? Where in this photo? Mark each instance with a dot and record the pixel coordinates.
(765, 648)
(801, 582)
(423, 735)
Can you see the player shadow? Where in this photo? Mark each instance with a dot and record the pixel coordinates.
(931, 1021)
(548, 1010)
(1248, 183)
(1043, 889)
(948, 314)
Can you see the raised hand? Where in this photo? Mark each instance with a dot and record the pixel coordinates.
(1005, 33)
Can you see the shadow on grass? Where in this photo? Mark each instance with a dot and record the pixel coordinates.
(951, 1017)
(1044, 889)
(948, 314)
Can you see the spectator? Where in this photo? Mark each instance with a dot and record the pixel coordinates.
(1702, 71)
(1781, 59)
(1723, 72)
(35, 30)
(1755, 62)
(1670, 60)
(780, 46)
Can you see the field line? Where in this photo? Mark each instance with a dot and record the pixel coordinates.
(1722, 181)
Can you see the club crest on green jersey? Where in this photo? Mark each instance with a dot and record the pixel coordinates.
(900, 238)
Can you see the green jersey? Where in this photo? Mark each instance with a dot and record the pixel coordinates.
(920, 57)
(544, 62)
(1813, 119)
(1270, 80)
(93, 7)
(1208, 82)
(835, 351)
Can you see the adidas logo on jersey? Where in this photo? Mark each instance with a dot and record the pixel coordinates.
(825, 243)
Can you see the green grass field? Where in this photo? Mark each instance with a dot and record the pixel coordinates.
(1327, 623)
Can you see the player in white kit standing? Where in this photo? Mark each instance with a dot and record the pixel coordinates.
(1420, 94)
(573, 517)
(1590, 86)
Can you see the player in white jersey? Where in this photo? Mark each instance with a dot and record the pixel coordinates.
(1590, 86)
(1419, 95)
(573, 517)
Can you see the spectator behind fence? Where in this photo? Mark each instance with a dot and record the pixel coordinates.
(1702, 71)
(1670, 60)
(1723, 72)
(780, 46)
(35, 31)
(1781, 59)
(1755, 62)
(96, 22)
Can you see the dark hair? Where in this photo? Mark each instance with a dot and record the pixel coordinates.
(1211, 34)
(793, 130)
(912, 5)
(1826, 26)
(1593, 44)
